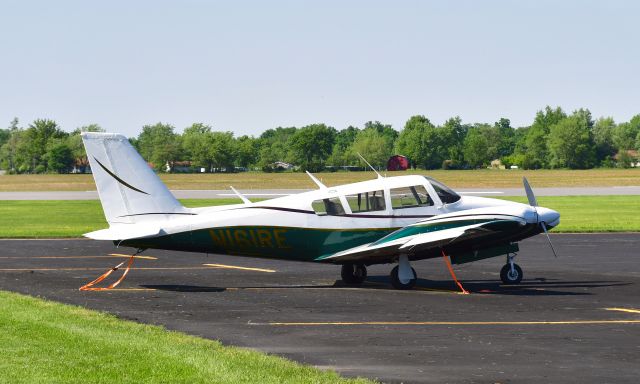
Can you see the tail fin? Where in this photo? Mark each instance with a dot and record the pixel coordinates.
(129, 190)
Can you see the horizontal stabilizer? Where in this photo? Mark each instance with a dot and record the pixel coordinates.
(125, 232)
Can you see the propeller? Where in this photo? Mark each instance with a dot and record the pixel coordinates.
(534, 203)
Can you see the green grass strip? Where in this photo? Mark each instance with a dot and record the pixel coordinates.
(47, 342)
(67, 218)
(592, 213)
(64, 218)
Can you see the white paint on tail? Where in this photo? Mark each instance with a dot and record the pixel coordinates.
(129, 190)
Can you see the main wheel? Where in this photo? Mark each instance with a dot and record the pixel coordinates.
(397, 284)
(511, 277)
(353, 273)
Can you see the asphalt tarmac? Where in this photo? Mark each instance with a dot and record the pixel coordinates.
(573, 319)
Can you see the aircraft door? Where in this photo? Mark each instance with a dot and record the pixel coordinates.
(412, 203)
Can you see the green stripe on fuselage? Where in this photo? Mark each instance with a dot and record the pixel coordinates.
(429, 227)
(305, 244)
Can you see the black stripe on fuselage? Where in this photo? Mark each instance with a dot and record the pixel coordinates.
(119, 179)
(161, 213)
(294, 210)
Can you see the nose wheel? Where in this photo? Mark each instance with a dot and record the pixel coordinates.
(353, 274)
(511, 273)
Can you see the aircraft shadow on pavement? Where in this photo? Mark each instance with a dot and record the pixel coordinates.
(534, 287)
(184, 288)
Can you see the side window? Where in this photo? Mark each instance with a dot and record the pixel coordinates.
(410, 197)
(366, 201)
(331, 206)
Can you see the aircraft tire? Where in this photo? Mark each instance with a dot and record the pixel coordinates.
(397, 284)
(353, 274)
(508, 278)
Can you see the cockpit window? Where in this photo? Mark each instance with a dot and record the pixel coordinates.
(410, 197)
(332, 207)
(366, 201)
(447, 196)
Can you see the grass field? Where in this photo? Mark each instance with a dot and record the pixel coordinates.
(256, 180)
(46, 342)
(67, 218)
(592, 213)
(63, 218)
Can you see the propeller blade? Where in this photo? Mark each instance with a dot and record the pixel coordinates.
(544, 228)
(530, 196)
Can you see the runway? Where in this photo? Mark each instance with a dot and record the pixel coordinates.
(573, 319)
(271, 193)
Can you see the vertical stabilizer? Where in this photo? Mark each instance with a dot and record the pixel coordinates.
(129, 190)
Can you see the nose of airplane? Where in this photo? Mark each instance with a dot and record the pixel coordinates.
(549, 216)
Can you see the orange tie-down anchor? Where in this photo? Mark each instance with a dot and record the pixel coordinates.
(90, 286)
(446, 261)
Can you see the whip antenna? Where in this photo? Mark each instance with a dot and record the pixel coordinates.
(370, 166)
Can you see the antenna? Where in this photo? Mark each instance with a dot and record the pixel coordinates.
(315, 180)
(370, 166)
(241, 196)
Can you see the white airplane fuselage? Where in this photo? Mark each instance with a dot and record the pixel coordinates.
(289, 227)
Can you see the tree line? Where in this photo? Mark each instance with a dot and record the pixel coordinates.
(555, 139)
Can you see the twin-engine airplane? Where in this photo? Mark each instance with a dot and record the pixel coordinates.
(387, 220)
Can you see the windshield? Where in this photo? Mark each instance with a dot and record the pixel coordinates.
(447, 196)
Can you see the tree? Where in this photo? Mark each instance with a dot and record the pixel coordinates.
(505, 136)
(476, 148)
(423, 143)
(374, 146)
(602, 137)
(8, 145)
(59, 157)
(340, 151)
(383, 129)
(246, 151)
(273, 144)
(310, 146)
(571, 143)
(222, 151)
(194, 145)
(454, 133)
(159, 145)
(34, 143)
(624, 135)
(535, 152)
(215, 151)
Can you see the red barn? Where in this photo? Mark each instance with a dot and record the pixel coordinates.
(397, 163)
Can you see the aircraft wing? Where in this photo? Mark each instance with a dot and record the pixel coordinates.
(423, 237)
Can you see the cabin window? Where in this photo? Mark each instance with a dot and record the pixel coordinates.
(366, 202)
(331, 206)
(447, 196)
(410, 197)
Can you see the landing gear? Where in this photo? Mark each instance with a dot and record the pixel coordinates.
(403, 276)
(511, 273)
(353, 274)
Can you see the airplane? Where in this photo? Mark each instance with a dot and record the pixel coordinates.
(386, 220)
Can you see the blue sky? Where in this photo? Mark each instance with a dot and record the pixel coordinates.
(246, 66)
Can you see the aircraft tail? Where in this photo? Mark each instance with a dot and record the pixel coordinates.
(129, 190)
